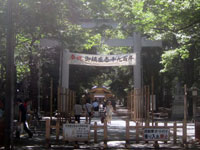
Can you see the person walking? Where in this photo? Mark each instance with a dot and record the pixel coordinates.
(29, 112)
(22, 118)
(109, 111)
(102, 112)
(78, 110)
(95, 105)
(88, 108)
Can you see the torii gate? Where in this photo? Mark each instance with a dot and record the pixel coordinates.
(136, 41)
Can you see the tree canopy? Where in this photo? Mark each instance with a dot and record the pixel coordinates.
(175, 22)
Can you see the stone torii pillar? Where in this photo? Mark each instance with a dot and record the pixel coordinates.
(137, 47)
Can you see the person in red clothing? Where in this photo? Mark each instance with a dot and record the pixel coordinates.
(22, 118)
(27, 106)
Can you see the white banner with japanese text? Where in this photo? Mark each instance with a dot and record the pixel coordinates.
(102, 60)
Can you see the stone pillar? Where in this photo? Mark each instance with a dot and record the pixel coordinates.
(137, 47)
(65, 70)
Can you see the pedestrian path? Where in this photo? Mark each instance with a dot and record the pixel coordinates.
(116, 137)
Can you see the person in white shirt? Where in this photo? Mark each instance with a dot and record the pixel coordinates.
(109, 111)
(78, 111)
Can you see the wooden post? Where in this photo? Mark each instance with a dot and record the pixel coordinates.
(95, 132)
(105, 133)
(156, 145)
(51, 99)
(165, 125)
(61, 103)
(195, 99)
(139, 105)
(148, 103)
(132, 101)
(58, 102)
(145, 103)
(146, 126)
(74, 101)
(48, 129)
(70, 101)
(66, 103)
(127, 132)
(185, 116)
(152, 102)
(137, 132)
(57, 129)
(175, 133)
(86, 118)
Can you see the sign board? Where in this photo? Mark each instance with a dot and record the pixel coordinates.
(76, 132)
(156, 134)
(102, 60)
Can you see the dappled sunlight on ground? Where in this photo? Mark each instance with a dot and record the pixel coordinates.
(116, 137)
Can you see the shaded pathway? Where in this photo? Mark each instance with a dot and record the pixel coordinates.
(116, 137)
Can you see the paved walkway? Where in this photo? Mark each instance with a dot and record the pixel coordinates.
(116, 137)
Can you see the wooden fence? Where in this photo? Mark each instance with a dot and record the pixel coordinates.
(137, 128)
(66, 102)
(138, 102)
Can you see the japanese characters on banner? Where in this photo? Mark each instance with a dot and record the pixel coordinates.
(102, 60)
(156, 134)
(76, 132)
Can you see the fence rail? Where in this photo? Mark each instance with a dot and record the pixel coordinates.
(137, 128)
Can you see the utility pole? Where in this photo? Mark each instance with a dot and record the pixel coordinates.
(9, 77)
